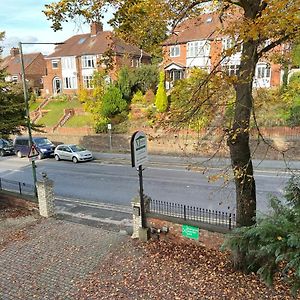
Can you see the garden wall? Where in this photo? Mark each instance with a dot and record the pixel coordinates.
(185, 143)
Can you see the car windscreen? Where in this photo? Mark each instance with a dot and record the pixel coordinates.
(76, 148)
(6, 143)
(42, 141)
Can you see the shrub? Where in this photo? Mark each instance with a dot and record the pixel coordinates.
(138, 97)
(112, 102)
(273, 244)
(161, 99)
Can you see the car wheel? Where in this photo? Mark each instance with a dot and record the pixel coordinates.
(1, 152)
(56, 157)
(74, 160)
(19, 154)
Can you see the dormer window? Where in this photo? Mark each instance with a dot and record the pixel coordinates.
(175, 51)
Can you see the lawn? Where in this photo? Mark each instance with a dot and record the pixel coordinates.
(56, 110)
(80, 121)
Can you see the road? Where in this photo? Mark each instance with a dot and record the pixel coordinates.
(117, 183)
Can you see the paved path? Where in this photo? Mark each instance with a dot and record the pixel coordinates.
(46, 259)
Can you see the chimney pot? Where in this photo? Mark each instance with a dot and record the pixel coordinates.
(14, 51)
(96, 27)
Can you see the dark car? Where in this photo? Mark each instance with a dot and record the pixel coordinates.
(6, 147)
(44, 147)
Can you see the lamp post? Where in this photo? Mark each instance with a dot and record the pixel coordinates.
(25, 91)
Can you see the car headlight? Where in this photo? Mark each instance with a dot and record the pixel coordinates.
(43, 150)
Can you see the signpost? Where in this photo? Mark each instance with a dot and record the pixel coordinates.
(139, 155)
(190, 232)
(33, 153)
(109, 132)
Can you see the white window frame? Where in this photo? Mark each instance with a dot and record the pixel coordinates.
(175, 51)
(55, 61)
(232, 69)
(263, 71)
(68, 63)
(198, 49)
(70, 83)
(87, 81)
(88, 61)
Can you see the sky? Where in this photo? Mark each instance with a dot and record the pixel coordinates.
(24, 21)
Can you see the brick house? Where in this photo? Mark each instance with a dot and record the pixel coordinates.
(35, 68)
(198, 42)
(72, 64)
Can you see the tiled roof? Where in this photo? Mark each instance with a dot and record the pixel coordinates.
(83, 44)
(12, 64)
(206, 26)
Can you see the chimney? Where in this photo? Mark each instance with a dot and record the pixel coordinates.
(14, 51)
(96, 27)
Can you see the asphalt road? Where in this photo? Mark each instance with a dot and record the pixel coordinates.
(117, 183)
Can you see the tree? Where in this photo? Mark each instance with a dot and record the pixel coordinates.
(161, 99)
(12, 106)
(258, 25)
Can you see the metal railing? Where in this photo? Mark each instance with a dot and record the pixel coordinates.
(21, 188)
(192, 213)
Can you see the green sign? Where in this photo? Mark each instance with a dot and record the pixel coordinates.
(190, 232)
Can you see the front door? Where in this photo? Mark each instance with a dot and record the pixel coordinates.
(56, 85)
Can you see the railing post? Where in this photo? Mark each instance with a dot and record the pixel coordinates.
(0, 184)
(230, 221)
(20, 188)
(184, 212)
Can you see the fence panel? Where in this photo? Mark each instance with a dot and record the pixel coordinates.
(192, 213)
(16, 186)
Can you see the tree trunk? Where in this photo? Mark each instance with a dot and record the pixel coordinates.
(238, 139)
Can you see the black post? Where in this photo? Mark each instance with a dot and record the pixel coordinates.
(142, 197)
(20, 189)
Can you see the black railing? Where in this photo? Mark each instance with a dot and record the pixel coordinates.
(16, 186)
(192, 213)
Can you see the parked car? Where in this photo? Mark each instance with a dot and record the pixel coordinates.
(72, 152)
(44, 147)
(6, 147)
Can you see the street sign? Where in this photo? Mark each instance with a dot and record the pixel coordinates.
(109, 126)
(190, 232)
(139, 152)
(33, 153)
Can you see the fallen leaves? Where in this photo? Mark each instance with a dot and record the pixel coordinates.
(161, 270)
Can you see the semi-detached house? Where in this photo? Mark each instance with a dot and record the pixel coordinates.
(198, 42)
(72, 64)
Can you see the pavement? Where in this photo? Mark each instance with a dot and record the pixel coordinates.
(193, 161)
(46, 258)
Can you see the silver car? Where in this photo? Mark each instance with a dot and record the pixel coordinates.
(72, 152)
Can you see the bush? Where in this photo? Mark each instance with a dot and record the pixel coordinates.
(138, 97)
(273, 244)
(112, 102)
(161, 99)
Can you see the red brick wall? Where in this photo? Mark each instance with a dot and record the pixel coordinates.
(181, 59)
(51, 74)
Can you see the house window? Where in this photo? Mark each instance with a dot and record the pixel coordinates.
(54, 64)
(70, 83)
(88, 61)
(232, 70)
(87, 82)
(68, 63)
(198, 49)
(263, 71)
(175, 51)
(229, 43)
